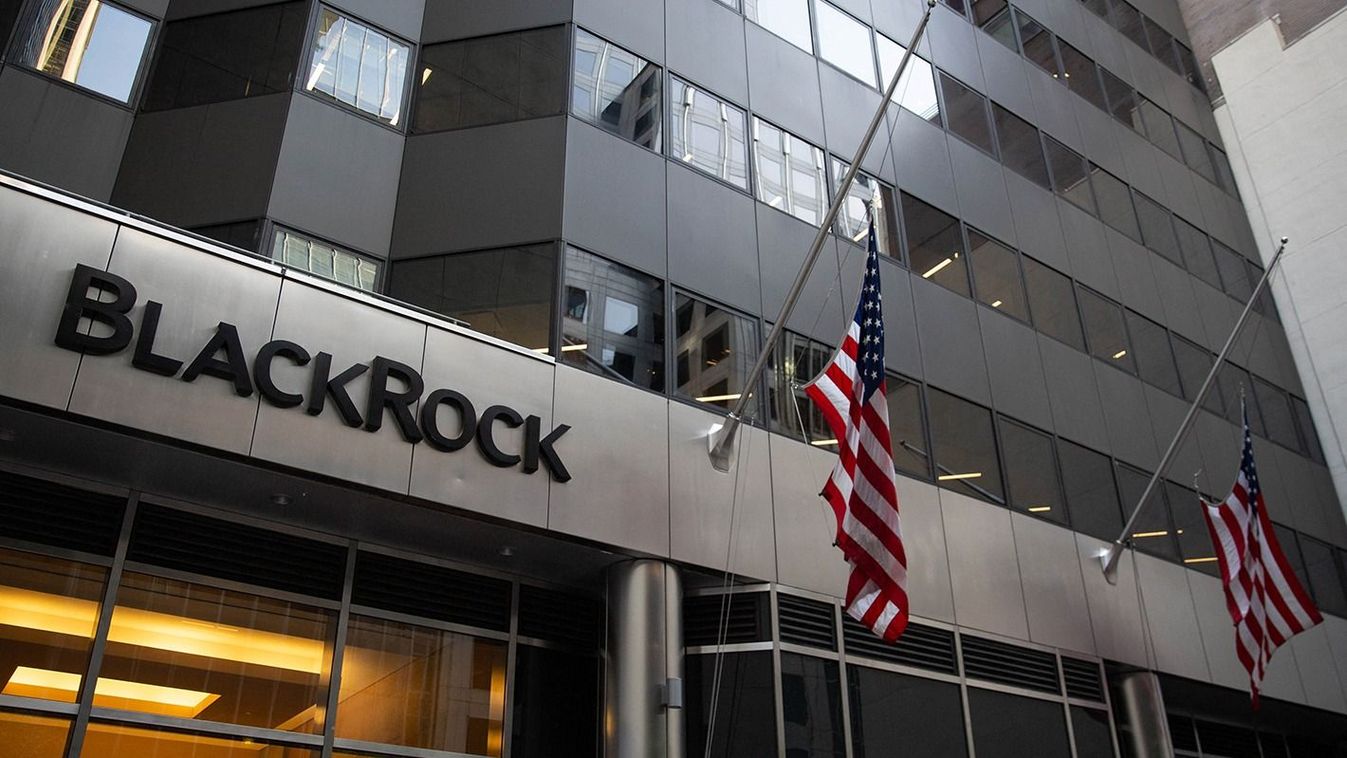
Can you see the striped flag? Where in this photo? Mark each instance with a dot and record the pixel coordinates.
(850, 392)
(1266, 601)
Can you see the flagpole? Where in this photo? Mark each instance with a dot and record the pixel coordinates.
(721, 439)
(1110, 559)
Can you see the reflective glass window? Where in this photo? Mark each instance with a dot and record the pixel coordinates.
(31, 735)
(492, 80)
(193, 651)
(845, 42)
(1194, 364)
(1309, 437)
(358, 66)
(996, 275)
(9, 13)
(811, 699)
(713, 348)
(788, 19)
(1161, 43)
(1037, 44)
(1082, 75)
(1115, 202)
(1157, 228)
(958, 6)
(1275, 408)
(1234, 275)
(1021, 149)
(1087, 477)
(965, 447)
(1188, 67)
(556, 704)
(1160, 128)
(246, 235)
(1155, 360)
(1000, 25)
(307, 254)
(1127, 19)
(907, 431)
(790, 172)
(1090, 728)
(1190, 526)
(1264, 305)
(1010, 726)
(1232, 382)
(107, 740)
(419, 687)
(613, 321)
(745, 714)
(615, 90)
(1031, 472)
(985, 10)
(1225, 175)
(1070, 177)
(1197, 254)
(1097, 7)
(1052, 303)
(797, 360)
(1122, 100)
(1195, 151)
(934, 244)
(1290, 545)
(916, 88)
(1105, 330)
(966, 113)
(889, 709)
(95, 45)
(868, 193)
(1321, 565)
(224, 56)
(708, 133)
(1152, 533)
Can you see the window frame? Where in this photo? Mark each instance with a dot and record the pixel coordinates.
(149, 56)
(750, 178)
(310, 49)
(276, 229)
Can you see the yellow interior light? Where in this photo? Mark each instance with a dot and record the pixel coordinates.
(1040, 508)
(996, 304)
(1119, 354)
(718, 398)
(109, 693)
(954, 477)
(822, 443)
(1208, 559)
(573, 348)
(933, 270)
(1159, 533)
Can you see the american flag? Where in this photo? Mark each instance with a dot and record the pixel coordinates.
(851, 395)
(1266, 601)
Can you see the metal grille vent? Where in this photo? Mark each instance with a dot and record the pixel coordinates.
(1227, 741)
(806, 622)
(53, 514)
(1082, 679)
(560, 616)
(201, 545)
(422, 589)
(746, 620)
(1010, 664)
(923, 647)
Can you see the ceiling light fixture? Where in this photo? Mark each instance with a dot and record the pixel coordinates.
(1119, 354)
(718, 398)
(955, 477)
(1040, 508)
(936, 268)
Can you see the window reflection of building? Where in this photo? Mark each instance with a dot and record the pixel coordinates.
(796, 361)
(708, 133)
(613, 320)
(90, 43)
(709, 345)
(790, 172)
(867, 195)
(358, 66)
(616, 90)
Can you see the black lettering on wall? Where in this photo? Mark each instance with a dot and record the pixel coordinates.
(323, 388)
(485, 434)
(232, 368)
(430, 422)
(145, 358)
(400, 403)
(266, 385)
(113, 314)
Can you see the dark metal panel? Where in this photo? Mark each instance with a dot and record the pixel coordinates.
(783, 84)
(705, 44)
(462, 19)
(783, 241)
(1054, 107)
(1136, 278)
(1175, 287)
(1218, 313)
(1129, 427)
(901, 350)
(1099, 137)
(1165, 413)
(1018, 385)
(980, 182)
(953, 48)
(183, 9)
(1007, 81)
(1076, 410)
(402, 18)
(637, 25)
(1142, 161)
(713, 239)
(848, 107)
(1038, 227)
(1087, 248)
(615, 199)
(921, 160)
(951, 342)
(1179, 194)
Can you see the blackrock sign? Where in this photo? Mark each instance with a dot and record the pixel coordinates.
(223, 357)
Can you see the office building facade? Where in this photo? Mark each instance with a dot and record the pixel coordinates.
(361, 358)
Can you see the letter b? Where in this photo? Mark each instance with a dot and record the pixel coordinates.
(113, 314)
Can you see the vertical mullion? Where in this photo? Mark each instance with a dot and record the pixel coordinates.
(511, 670)
(338, 647)
(963, 696)
(778, 696)
(842, 680)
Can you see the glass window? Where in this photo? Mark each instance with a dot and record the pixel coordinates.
(1000, 25)
(708, 133)
(845, 42)
(854, 221)
(965, 448)
(934, 244)
(1082, 75)
(1234, 275)
(1155, 360)
(1275, 409)
(1195, 151)
(505, 293)
(1162, 45)
(985, 10)
(616, 91)
(1325, 580)
(1089, 727)
(1233, 382)
(958, 6)
(1197, 255)
(790, 172)
(419, 687)
(1286, 538)
(556, 704)
(713, 349)
(1037, 44)
(996, 275)
(1225, 175)
(1188, 67)
(246, 235)
(1010, 726)
(1264, 305)
(1021, 149)
(1105, 330)
(225, 56)
(613, 321)
(1122, 100)
(966, 113)
(1194, 364)
(907, 432)
(1157, 228)
(491, 80)
(916, 90)
(1309, 437)
(1194, 538)
(329, 262)
(1052, 303)
(1127, 19)
(1069, 174)
(801, 359)
(9, 13)
(358, 66)
(1087, 477)
(888, 709)
(1115, 202)
(93, 44)
(106, 740)
(787, 18)
(31, 735)
(198, 652)
(811, 702)
(1031, 472)
(1160, 128)
(1152, 532)
(745, 713)
(1098, 7)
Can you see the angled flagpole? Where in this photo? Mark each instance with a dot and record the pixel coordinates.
(721, 439)
(1110, 559)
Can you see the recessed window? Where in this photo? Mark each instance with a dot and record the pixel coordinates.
(245, 235)
(907, 431)
(1321, 566)
(1037, 44)
(614, 321)
(1122, 100)
(327, 261)
(1275, 408)
(713, 348)
(1127, 19)
(916, 88)
(1000, 26)
(741, 688)
(1197, 254)
(1155, 360)
(868, 195)
(1225, 176)
(1087, 477)
(616, 90)
(1082, 75)
(492, 80)
(1010, 726)
(1052, 302)
(1097, 7)
(1309, 436)
(1115, 202)
(934, 244)
(790, 172)
(1070, 177)
(811, 704)
(1106, 331)
(845, 42)
(996, 275)
(797, 360)
(985, 10)
(1290, 545)
(1161, 43)
(1091, 731)
(1160, 128)
(966, 113)
(1188, 67)
(1195, 151)
(888, 709)
(1031, 472)
(556, 703)
(359, 67)
(9, 13)
(1195, 548)
(788, 19)
(708, 133)
(1152, 533)
(1021, 149)
(965, 447)
(1194, 364)
(1157, 228)
(1264, 305)
(1234, 383)
(95, 45)
(1234, 275)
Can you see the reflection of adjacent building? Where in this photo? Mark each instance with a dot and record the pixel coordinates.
(710, 352)
(613, 321)
(617, 89)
